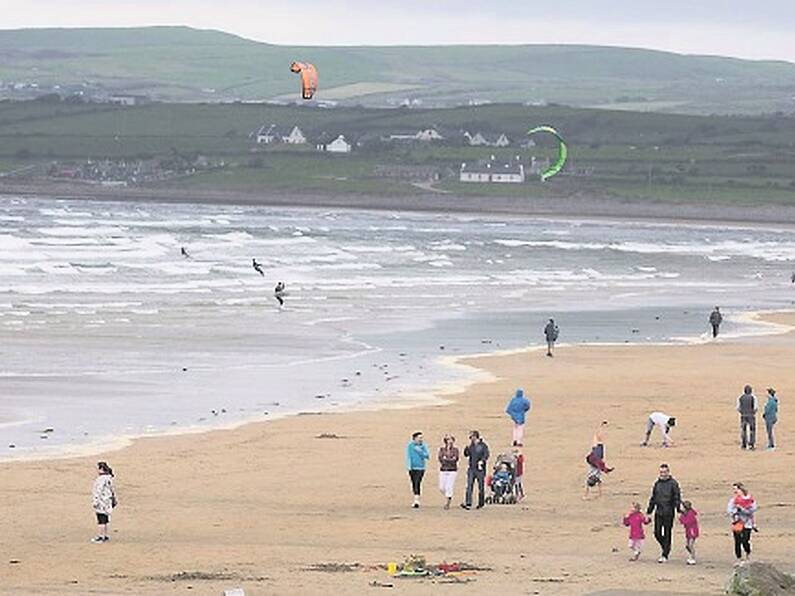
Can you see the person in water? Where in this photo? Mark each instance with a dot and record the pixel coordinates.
(184, 252)
(257, 267)
(715, 319)
(278, 293)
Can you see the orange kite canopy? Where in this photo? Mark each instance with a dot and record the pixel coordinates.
(308, 74)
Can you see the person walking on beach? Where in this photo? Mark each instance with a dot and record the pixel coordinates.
(416, 456)
(278, 293)
(448, 468)
(257, 267)
(551, 332)
(517, 409)
(747, 407)
(771, 417)
(103, 499)
(741, 509)
(715, 319)
(635, 520)
(478, 453)
(665, 502)
(662, 421)
(689, 519)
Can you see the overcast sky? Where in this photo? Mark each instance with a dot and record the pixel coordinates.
(743, 28)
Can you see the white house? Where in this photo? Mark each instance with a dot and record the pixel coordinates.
(296, 137)
(481, 140)
(338, 145)
(267, 135)
(510, 173)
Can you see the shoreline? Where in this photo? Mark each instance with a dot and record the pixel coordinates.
(581, 208)
(260, 506)
(436, 394)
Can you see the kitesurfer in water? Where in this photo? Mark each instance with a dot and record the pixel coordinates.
(278, 293)
(257, 267)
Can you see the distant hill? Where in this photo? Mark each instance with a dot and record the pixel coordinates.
(184, 64)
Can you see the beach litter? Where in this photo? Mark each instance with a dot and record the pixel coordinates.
(328, 436)
(335, 567)
(377, 584)
(416, 566)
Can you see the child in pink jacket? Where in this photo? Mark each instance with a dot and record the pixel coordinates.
(689, 519)
(635, 519)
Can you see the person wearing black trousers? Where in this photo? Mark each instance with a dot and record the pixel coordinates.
(665, 502)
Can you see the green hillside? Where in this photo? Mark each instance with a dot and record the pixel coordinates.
(748, 159)
(183, 64)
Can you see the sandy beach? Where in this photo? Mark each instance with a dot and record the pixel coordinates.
(258, 506)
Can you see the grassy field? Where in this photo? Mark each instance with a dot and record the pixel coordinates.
(179, 63)
(627, 154)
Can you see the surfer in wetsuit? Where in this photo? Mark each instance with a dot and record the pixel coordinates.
(257, 267)
(184, 252)
(278, 293)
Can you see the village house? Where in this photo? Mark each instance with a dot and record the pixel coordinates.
(425, 135)
(493, 171)
(481, 140)
(296, 137)
(338, 145)
(267, 135)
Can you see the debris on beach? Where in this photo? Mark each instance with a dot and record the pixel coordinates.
(334, 567)
(48, 430)
(12, 446)
(377, 584)
(548, 580)
(224, 575)
(328, 436)
(14, 562)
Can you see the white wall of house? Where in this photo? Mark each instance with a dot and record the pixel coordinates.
(296, 137)
(339, 145)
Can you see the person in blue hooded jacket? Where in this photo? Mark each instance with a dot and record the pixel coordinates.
(416, 456)
(517, 409)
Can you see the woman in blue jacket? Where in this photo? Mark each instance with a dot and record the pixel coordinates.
(416, 456)
(517, 410)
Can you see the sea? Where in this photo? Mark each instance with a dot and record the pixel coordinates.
(107, 332)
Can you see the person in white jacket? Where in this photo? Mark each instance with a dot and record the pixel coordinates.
(103, 498)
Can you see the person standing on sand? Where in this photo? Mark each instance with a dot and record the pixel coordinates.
(715, 319)
(662, 421)
(741, 509)
(103, 499)
(747, 407)
(416, 456)
(771, 417)
(665, 502)
(478, 453)
(448, 468)
(517, 409)
(551, 332)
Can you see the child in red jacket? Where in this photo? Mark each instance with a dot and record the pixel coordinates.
(636, 519)
(689, 519)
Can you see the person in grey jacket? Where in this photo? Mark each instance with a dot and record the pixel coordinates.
(478, 453)
(551, 332)
(715, 319)
(747, 407)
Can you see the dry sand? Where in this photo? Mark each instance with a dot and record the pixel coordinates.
(264, 502)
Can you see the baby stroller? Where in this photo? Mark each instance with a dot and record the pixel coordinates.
(502, 481)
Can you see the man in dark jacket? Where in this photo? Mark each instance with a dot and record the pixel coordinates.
(747, 407)
(715, 319)
(551, 332)
(478, 453)
(665, 502)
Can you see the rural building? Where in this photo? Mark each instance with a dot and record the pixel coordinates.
(425, 135)
(481, 140)
(296, 137)
(267, 135)
(492, 171)
(128, 100)
(338, 145)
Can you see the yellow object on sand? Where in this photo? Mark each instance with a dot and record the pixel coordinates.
(391, 568)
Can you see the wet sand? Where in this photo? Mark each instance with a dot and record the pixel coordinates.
(256, 506)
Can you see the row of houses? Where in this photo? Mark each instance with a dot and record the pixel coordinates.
(501, 172)
(273, 133)
(269, 135)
